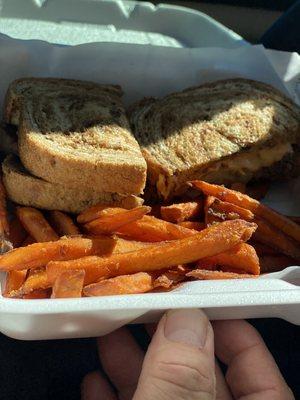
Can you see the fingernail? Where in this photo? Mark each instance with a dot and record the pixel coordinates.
(186, 326)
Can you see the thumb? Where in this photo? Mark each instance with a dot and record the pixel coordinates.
(180, 360)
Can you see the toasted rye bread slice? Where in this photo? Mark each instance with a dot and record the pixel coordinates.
(222, 132)
(27, 190)
(76, 133)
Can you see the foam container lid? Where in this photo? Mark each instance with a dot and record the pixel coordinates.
(83, 21)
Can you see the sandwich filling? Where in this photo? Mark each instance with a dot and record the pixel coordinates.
(240, 167)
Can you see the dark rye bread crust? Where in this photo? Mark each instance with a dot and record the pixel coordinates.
(76, 133)
(30, 86)
(27, 190)
(194, 134)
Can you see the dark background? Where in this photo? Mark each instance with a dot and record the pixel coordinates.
(54, 369)
(269, 4)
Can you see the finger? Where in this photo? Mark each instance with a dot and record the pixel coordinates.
(180, 361)
(223, 392)
(122, 360)
(95, 387)
(252, 373)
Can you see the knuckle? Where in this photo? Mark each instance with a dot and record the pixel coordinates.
(183, 375)
(186, 376)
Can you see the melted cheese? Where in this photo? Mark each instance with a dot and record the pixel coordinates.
(239, 167)
(162, 186)
(255, 160)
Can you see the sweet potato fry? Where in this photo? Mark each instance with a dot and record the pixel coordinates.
(98, 211)
(38, 294)
(265, 233)
(4, 225)
(269, 235)
(232, 270)
(204, 274)
(111, 223)
(36, 225)
(29, 240)
(239, 187)
(273, 263)
(229, 208)
(163, 281)
(241, 257)
(14, 280)
(281, 222)
(140, 282)
(195, 225)
(151, 229)
(63, 224)
(126, 246)
(17, 233)
(39, 254)
(218, 211)
(209, 242)
(208, 201)
(210, 217)
(68, 284)
(167, 279)
(182, 211)
(37, 279)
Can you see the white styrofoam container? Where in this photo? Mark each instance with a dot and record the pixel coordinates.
(151, 71)
(87, 317)
(84, 21)
(75, 22)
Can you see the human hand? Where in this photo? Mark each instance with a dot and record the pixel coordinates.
(180, 363)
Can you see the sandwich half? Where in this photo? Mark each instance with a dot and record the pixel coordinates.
(75, 133)
(26, 189)
(222, 132)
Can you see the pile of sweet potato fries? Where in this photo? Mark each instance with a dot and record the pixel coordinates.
(112, 251)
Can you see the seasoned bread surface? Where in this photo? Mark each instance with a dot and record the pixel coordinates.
(28, 190)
